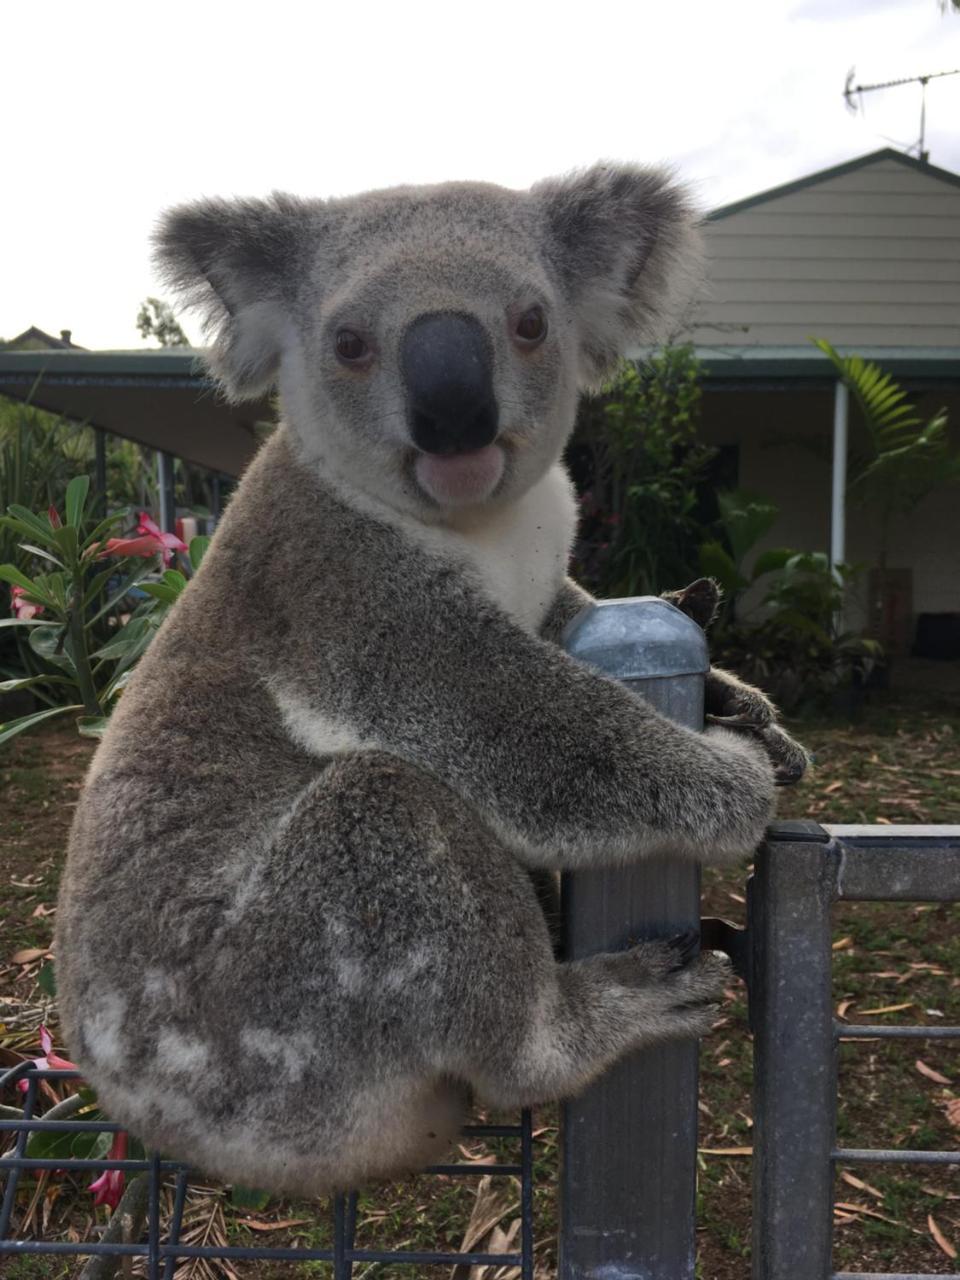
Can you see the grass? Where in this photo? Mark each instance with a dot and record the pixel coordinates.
(899, 763)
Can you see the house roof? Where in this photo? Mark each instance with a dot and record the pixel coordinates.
(160, 398)
(836, 171)
(34, 339)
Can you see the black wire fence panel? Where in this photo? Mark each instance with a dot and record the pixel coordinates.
(162, 1245)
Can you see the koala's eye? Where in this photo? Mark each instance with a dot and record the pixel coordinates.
(532, 326)
(350, 346)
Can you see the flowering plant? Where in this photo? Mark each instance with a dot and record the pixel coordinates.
(89, 1144)
(75, 603)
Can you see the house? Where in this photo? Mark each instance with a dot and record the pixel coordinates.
(866, 255)
(34, 339)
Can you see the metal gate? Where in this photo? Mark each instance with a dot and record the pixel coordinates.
(801, 871)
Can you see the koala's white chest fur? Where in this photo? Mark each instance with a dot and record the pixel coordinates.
(517, 556)
(519, 553)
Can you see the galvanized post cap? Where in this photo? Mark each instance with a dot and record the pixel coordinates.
(640, 638)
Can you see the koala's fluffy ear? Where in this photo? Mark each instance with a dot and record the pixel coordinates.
(625, 243)
(238, 261)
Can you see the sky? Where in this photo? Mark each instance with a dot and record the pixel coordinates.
(113, 111)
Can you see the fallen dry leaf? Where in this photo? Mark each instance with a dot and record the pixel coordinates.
(929, 1072)
(852, 1180)
(843, 1006)
(940, 1238)
(28, 955)
(862, 1210)
(842, 944)
(889, 1008)
(255, 1225)
(952, 1112)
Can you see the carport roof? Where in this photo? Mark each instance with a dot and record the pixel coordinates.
(755, 366)
(162, 399)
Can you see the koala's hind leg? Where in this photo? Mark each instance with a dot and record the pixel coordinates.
(595, 1011)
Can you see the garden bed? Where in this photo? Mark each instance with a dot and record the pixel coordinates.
(900, 764)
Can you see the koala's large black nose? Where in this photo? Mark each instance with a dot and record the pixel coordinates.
(447, 367)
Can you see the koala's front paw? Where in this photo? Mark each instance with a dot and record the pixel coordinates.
(736, 705)
(789, 758)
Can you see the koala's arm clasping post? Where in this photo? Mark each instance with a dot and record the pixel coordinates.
(630, 1141)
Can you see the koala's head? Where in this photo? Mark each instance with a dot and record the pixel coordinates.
(429, 343)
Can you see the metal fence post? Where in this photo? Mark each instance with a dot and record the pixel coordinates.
(629, 1144)
(795, 1069)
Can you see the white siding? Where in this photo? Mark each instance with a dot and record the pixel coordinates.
(868, 258)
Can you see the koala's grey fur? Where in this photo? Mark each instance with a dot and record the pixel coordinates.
(298, 930)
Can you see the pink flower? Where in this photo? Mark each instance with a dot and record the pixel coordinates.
(151, 541)
(108, 1188)
(23, 608)
(50, 1060)
(53, 515)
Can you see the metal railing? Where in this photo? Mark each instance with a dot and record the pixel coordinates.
(802, 870)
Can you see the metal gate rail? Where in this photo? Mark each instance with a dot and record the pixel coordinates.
(801, 871)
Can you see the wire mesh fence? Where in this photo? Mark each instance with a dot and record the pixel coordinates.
(160, 1243)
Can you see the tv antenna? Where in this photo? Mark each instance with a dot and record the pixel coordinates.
(853, 94)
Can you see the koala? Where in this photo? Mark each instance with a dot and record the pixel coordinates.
(299, 932)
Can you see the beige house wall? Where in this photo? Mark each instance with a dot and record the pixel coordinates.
(869, 258)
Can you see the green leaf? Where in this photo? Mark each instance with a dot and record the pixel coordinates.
(10, 573)
(745, 518)
(25, 682)
(125, 587)
(51, 643)
(106, 525)
(160, 591)
(770, 561)
(47, 1144)
(249, 1198)
(92, 726)
(136, 631)
(23, 622)
(715, 562)
(198, 549)
(13, 727)
(45, 555)
(76, 499)
(46, 980)
(33, 525)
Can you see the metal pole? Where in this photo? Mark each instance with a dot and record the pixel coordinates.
(100, 468)
(794, 1053)
(629, 1143)
(838, 504)
(168, 506)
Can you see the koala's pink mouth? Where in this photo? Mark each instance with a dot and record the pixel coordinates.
(460, 478)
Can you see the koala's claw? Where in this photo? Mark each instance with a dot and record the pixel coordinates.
(685, 945)
(789, 758)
